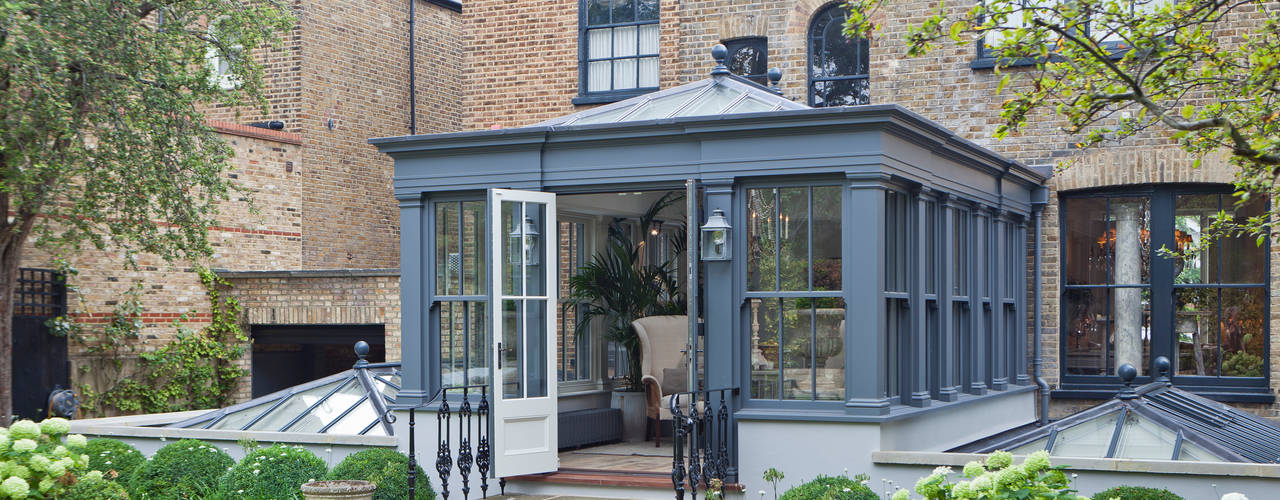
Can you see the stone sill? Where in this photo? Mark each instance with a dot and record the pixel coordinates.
(307, 273)
(957, 460)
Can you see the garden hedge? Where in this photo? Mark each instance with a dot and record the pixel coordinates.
(272, 473)
(95, 488)
(116, 459)
(389, 470)
(830, 487)
(186, 469)
(1136, 493)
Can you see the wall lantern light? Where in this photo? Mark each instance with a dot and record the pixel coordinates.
(525, 242)
(715, 237)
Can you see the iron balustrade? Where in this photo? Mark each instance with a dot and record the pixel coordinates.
(705, 442)
(474, 448)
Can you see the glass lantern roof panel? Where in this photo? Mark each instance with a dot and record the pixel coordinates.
(292, 407)
(1032, 447)
(1191, 453)
(376, 430)
(604, 116)
(356, 420)
(1143, 439)
(661, 107)
(237, 419)
(330, 409)
(1091, 438)
(712, 102)
(751, 105)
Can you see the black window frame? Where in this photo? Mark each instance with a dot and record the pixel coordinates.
(1162, 201)
(760, 44)
(585, 96)
(823, 15)
(982, 60)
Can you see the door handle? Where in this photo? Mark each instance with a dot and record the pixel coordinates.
(500, 352)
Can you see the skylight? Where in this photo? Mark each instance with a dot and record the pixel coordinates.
(722, 94)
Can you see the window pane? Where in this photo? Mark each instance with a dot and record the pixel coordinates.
(1127, 241)
(1091, 438)
(1243, 331)
(826, 240)
(1243, 261)
(597, 12)
(648, 39)
(797, 345)
(599, 43)
(960, 253)
(624, 74)
(1193, 216)
(1143, 440)
(761, 239)
(829, 349)
(624, 41)
(648, 72)
(624, 11)
(841, 92)
(763, 318)
(478, 343)
(1196, 322)
(473, 248)
(793, 243)
(599, 77)
(1086, 264)
(1131, 315)
(1088, 328)
(647, 10)
(448, 260)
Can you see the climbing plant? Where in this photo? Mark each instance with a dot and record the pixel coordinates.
(196, 370)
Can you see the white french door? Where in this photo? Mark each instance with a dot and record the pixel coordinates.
(523, 287)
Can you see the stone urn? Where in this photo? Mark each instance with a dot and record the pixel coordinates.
(342, 489)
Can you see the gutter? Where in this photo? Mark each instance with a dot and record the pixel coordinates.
(1040, 198)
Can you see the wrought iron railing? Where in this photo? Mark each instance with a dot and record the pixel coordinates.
(705, 440)
(473, 445)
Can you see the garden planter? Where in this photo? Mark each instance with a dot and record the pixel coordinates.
(633, 418)
(343, 489)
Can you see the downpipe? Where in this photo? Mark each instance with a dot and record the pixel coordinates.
(1037, 361)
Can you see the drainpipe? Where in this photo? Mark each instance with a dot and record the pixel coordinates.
(1037, 213)
(413, 88)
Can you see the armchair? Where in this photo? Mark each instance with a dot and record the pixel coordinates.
(663, 364)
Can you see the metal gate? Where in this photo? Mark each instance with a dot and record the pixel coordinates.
(40, 362)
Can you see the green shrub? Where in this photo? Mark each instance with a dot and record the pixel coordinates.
(116, 459)
(40, 460)
(274, 472)
(1136, 493)
(183, 470)
(95, 487)
(831, 488)
(997, 477)
(386, 468)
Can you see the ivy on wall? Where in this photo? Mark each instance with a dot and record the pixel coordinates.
(197, 370)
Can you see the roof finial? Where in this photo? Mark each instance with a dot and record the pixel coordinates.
(1163, 366)
(720, 54)
(362, 350)
(775, 75)
(1127, 373)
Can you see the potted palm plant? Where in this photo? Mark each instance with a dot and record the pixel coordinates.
(617, 287)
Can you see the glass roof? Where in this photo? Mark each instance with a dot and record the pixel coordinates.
(1154, 422)
(349, 402)
(718, 95)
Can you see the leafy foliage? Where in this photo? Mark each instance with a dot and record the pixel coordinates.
(186, 469)
(114, 458)
(998, 478)
(96, 488)
(274, 472)
(40, 460)
(1114, 69)
(1136, 493)
(619, 287)
(197, 370)
(388, 469)
(832, 488)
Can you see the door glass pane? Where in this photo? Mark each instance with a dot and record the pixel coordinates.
(535, 347)
(793, 242)
(534, 233)
(1091, 438)
(1243, 261)
(763, 320)
(826, 240)
(761, 240)
(512, 374)
(473, 251)
(1243, 317)
(1143, 440)
(512, 256)
(1196, 322)
(1087, 264)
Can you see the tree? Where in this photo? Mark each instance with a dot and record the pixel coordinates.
(1205, 72)
(102, 140)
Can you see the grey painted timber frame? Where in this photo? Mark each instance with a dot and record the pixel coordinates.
(868, 150)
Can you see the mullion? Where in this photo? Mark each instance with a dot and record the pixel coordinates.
(1111, 264)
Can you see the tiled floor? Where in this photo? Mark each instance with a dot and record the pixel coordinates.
(639, 457)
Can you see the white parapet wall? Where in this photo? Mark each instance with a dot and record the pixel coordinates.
(147, 434)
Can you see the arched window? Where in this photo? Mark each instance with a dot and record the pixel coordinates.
(837, 64)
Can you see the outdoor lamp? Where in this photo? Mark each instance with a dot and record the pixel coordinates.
(715, 237)
(526, 240)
